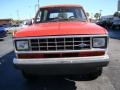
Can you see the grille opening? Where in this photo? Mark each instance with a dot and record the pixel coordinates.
(35, 48)
(51, 48)
(60, 44)
(69, 47)
(68, 39)
(68, 43)
(42, 40)
(34, 40)
(51, 40)
(43, 44)
(60, 39)
(60, 48)
(86, 38)
(77, 47)
(34, 44)
(51, 55)
(77, 39)
(76, 43)
(51, 44)
(43, 48)
(62, 55)
(57, 44)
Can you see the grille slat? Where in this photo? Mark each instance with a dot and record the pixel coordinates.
(60, 43)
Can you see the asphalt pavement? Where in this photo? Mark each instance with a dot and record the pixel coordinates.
(6, 46)
(12, 79)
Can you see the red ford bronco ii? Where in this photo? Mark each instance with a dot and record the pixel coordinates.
(61, 41)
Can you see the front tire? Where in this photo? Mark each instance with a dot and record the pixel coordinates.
(28, 76)
(93, 75)
(1, 39)
(113, 27)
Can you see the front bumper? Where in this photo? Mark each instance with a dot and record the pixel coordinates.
(62, 65)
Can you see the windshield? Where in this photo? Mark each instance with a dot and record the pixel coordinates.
(60, 14)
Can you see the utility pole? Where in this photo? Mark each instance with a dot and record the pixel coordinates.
(29, 7)
(38, 4)
(17, 12)
(100, 14)
(118, 9)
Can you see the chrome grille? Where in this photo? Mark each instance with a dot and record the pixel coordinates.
(60, 44)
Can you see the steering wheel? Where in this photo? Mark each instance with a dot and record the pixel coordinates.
(71, 17)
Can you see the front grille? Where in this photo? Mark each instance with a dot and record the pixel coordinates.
(60, 44)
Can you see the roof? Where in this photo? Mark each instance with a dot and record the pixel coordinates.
(62, 5)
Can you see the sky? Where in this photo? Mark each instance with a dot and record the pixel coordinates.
(25, 9)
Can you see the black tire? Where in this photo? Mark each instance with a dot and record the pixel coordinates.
(2, 39)
(28, 76)
(113, 27)
(86, 76)
(93, 75)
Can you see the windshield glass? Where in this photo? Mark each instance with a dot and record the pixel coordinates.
(60, 14)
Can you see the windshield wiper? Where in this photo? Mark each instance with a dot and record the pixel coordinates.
(77, 19)
(65, 19)
(54, 20)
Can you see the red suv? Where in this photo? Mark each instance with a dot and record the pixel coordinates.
(61, 41)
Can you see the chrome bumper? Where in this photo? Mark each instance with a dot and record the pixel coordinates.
(73, 60)
(58, 66)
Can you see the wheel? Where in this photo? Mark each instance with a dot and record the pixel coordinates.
(28, 76)
(113, 27)
(93, 75)
(2, 39)
(117, 27)
(86, 76)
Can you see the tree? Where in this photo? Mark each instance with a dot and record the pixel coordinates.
(97, 15)
(117, 14)
(87, 13)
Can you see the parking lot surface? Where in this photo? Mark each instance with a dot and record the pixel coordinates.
(6, 46)
(12, 79)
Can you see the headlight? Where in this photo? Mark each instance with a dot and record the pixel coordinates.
(99, 42)
(22, 45)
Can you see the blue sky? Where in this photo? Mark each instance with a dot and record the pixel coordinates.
(25, 9)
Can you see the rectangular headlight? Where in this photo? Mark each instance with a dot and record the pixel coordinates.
(22, 45)
(99, 42)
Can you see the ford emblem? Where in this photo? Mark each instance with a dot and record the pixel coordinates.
(83, 45)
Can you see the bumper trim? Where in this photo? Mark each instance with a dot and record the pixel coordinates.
(73, 60)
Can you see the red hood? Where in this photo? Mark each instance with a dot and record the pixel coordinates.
(60, 28)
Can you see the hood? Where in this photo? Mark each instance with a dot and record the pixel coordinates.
(60, 28)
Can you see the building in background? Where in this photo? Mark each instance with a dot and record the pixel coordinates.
(6, 21)
(118, 5)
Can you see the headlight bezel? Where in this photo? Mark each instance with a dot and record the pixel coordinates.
(18, 49)
(102, 47)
